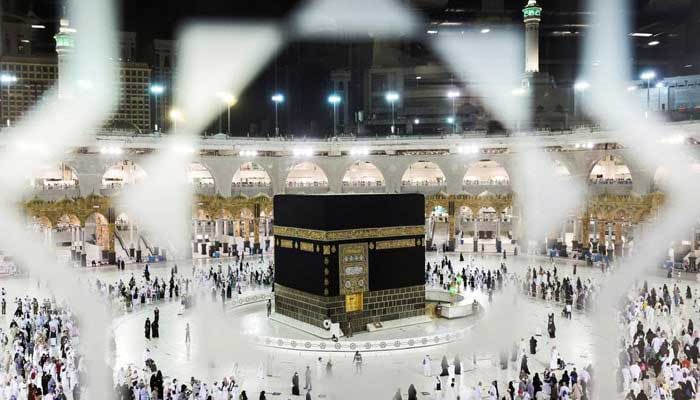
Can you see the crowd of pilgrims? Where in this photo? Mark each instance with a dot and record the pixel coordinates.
(218, 282)
(546, 285)
(659, 356)
(39, 357)
(471, 276)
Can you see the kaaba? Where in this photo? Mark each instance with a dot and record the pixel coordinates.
(352, 259)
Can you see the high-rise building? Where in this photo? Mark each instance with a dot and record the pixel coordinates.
(26, 81)
(133, 108)
(162, 64)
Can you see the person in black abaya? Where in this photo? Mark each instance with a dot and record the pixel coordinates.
(523, 366)
(295, 384)
(154, 329)
(533, 345)
(412, 393)
(551, 328)
(445, 367)
(147, 328)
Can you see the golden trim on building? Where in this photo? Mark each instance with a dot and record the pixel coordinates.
(395, 244)
(286, 243)
(306, 246)
(349, 234)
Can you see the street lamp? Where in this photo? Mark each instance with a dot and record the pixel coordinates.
(648, 76)
(175, 117)
(230, 101)
(8, 80)
(392, 97)
(156, 90)
(452, 95)
(334, 99)
(277, 98)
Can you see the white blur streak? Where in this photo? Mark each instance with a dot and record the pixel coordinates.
(343, 19)
(54, 126)
(495, 62)
(214, 61)
(161, 203)
(546, 199)
(501, 325)
(218, 59)
(492, 64)
(607, 55)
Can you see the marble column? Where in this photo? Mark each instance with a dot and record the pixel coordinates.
(618, 239)
(585, 228)
(601, 236)
(131, 235)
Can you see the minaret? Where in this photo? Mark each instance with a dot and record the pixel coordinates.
(65, 46)
(531, 17)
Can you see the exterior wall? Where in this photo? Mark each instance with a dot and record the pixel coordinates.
(381, 305)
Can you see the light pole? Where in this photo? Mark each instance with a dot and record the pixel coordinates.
(392, 97)
(580, 87)
(8, 80)
(175, 117)
(230, 101)
(156, 90)
(648, 76)
(334, 99)
(277, 98)
(659, 86)
(452, 95)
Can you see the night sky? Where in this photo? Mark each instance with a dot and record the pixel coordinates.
(302, 70)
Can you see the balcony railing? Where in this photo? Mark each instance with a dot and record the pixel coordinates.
(206, 189)
(422, 188)
(249, 190)
(490, 182)
(53, 192)
(307, 187)
(611, 181)
(111, 189)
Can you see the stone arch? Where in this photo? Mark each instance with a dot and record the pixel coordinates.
(201, 215)
(251, 174)
(42, 221)
(363, 175)
(466, 211)
(199, 175)
(69, 220)
(97, 230)
(124, 172)
(486, 172)
(610, 169)
(423, 173)
(487, 213)
(306, 174)
(61, 176)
